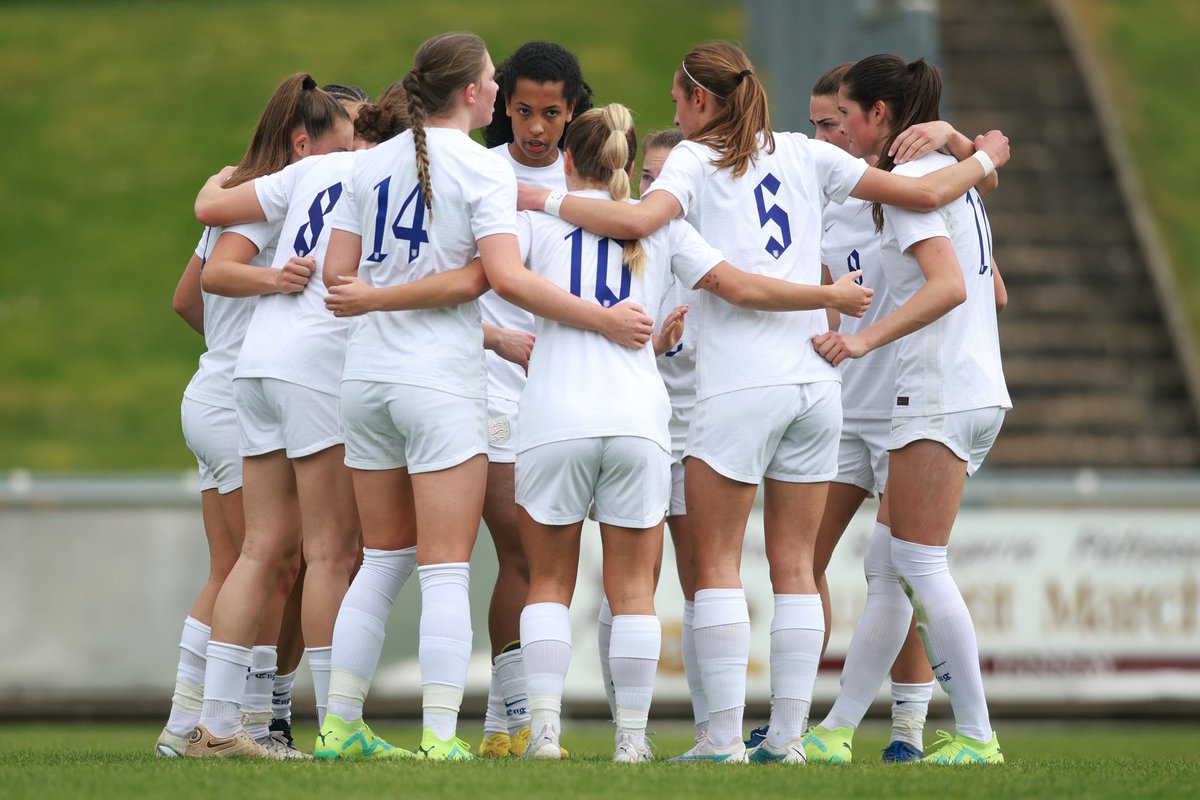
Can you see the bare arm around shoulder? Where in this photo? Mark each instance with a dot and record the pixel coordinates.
(350, 296)
(216, 205)
(925, 137)
(761, 293)
(943, 290)
(607, 217)
(625, 323)
(230, 273)
(935, 189)
(188, 302)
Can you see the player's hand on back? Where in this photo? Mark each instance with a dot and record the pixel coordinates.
(294, 275)
(849, 297)
(671, 331)
(628, 325)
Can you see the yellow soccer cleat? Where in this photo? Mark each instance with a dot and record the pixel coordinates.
(497, 745)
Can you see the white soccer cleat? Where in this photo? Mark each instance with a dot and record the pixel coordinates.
(705, 751)
(790, 753)
(169, 745)
(277, 747)
(631, 748)
(545, 745)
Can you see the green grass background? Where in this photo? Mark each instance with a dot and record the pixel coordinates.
(1150, 53)
(114, 112)
(1094, 761)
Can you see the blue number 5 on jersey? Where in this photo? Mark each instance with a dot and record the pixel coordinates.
(773, 214)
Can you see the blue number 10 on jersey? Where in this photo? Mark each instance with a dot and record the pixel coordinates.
(604, 294)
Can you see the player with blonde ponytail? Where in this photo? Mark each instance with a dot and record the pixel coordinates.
(776, 417)
(594, 429)
(413, 388)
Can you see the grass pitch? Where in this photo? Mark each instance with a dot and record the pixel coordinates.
(1097, 760)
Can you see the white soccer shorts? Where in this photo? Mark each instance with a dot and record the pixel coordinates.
(863, 454)
(968, 434)
(628, 477)
(211, 433)
(280, 415)
(393, 425)
(785, 433)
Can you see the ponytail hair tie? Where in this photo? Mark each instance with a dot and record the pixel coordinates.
(309, 84)
(741, 75)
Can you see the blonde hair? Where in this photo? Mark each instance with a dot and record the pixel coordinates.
(723, 71)
(603, 146)
(443, 66)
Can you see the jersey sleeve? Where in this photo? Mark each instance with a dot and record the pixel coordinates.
(838, 172)
(203, 247)
(345, 214)
(274, 191)
(909, 227)
(262, 234)
(525, 234)
(493, 206)
(691, 256)
(682, 175)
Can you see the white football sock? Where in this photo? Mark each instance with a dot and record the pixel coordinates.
(691, 668)
(546, 650)
(319, 660)
(281, 697)
(445, 644)
(633, 656)
(797, 631)
(359, 630)
(603, 637)
(494, 720)
(256, 706)
(722, 635)
(878, 637)
(910, 705)
(510, 668)
(226, 669)
(188, 698)
(949, 635)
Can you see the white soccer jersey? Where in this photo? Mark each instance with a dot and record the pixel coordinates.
(506, 379)
(226, 319)
(581, 384)
(849, 243)
(293, 337)
(677, 366)
(474, 195)
(767, 222)
(952, 364)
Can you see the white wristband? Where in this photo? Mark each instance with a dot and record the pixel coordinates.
(982, 158)
(554, 203)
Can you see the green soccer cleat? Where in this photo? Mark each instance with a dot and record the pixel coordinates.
(353, 741)
(434, 749)
(828, 745)
(955, 749)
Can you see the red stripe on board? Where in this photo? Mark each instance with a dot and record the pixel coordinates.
(1003, 665)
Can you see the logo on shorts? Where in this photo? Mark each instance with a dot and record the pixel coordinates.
(901, 401)
(499, 430)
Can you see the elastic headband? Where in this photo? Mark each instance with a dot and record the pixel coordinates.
(683, 65)
(740, 77)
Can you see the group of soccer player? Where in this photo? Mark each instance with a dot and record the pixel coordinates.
(395, 352)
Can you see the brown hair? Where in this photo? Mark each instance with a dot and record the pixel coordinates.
(723, 71)
(297, 103)
(387, 117)
(831, 81)
(442, 66)
(603, 146)
(911, 92)
(662, 140)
